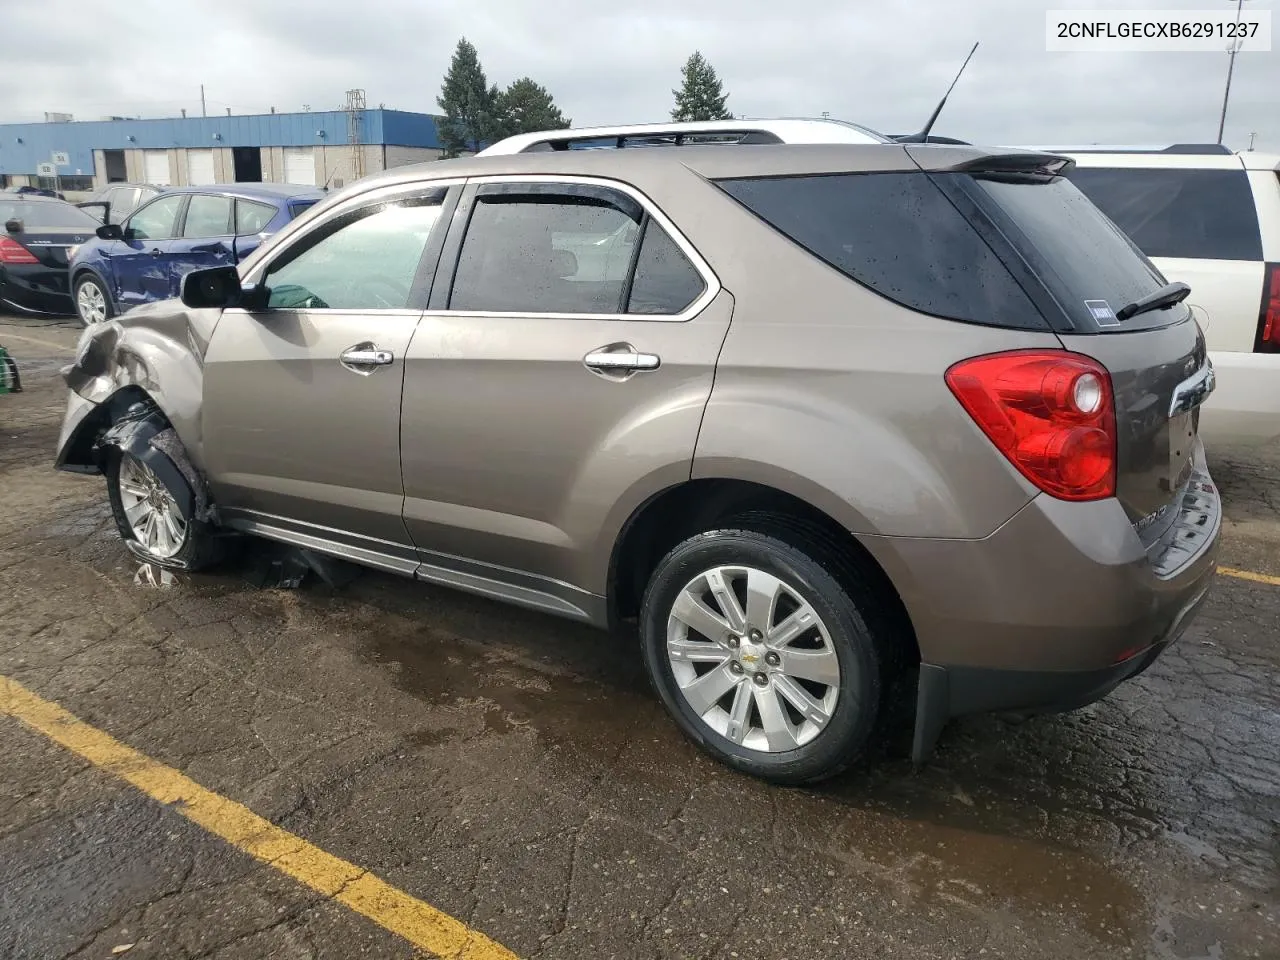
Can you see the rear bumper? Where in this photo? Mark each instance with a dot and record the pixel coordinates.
(1054, 609)
(35, 289)
(1245, 406)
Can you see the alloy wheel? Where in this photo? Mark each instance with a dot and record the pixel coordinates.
(91, 303)
(752, 658)
(151, 510)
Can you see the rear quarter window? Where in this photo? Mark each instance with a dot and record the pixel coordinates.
(897, 234)
(1191, 214)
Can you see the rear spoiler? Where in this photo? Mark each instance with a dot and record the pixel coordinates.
(1042, 164)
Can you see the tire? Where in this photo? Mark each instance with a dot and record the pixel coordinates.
(810, 751)
(84, 295)
(197, 548)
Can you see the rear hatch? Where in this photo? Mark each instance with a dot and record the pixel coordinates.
(1088, 273)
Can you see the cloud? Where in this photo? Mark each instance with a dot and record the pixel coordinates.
(884, 64)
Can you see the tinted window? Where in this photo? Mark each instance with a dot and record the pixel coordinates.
(37, 214)
(665, 281)
(545, 253)
(297, 207)
(208, 216)
(252, 217)
(1078, 253)
(367, 264)
(897, 234)
(156, 220)
(1200, 214)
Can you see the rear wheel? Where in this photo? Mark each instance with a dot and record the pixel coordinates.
(92, 303)
(762, 656)
(151, 516)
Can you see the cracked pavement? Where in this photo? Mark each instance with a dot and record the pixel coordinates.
(515, 772)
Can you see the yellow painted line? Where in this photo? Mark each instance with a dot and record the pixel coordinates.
(36, 340)
(420, 923)
(1249, 575)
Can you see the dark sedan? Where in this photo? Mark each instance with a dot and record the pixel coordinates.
(40, 234)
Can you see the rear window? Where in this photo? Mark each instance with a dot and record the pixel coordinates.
(35, 215)
(1195, 214)
(899, 235)
(1081, 256)
(298, 207)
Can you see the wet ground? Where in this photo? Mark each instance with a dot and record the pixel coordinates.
(515, 771)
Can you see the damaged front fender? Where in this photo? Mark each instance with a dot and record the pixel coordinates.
(153, 354)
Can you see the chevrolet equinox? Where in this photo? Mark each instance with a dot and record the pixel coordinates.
(817, 417)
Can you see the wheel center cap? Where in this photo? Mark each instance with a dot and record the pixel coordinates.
(751, 656)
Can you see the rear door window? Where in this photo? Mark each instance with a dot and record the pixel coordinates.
(207, 216)
(897, 234)
(665, 282)
(1192, 214)
(534, 250)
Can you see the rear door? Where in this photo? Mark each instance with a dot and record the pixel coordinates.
(568, 363)
(207, 238)
(140, 262)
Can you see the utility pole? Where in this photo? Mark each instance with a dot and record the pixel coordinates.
(202, 112)
(1253, 136)
(1231, 66)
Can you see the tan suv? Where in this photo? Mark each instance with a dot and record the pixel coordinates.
(814, 415)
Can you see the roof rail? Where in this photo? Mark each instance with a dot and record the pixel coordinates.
(681, 134)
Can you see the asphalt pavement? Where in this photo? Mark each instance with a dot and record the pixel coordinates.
(513, 775)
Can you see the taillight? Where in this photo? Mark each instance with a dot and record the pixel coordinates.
(1270, 318)
(11, 251)
(1052, 413)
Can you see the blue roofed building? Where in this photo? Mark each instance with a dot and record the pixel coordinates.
(314, 148)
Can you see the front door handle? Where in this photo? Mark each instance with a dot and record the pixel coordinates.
(365, 358)
(156, 251)
(621, 360)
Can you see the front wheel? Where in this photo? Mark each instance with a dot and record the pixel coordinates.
(92, 303)
(761, 655)
(152, 517)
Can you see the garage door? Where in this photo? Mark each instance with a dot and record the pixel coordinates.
(155, 166)
(299, 165)
(200, 167)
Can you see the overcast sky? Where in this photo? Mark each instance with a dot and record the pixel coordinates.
(884, 63)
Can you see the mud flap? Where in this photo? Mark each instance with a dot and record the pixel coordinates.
(933, 710)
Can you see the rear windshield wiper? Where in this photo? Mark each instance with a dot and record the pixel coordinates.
(1162, 299)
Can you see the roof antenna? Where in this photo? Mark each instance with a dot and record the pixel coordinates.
(923, 135)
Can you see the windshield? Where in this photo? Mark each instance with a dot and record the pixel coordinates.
(36, 215)
(1090, 266)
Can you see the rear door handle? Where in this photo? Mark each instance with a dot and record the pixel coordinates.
(156, 251)
(622, 360)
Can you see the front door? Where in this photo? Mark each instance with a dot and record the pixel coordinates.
(302, 396)
(564, 372)
(141, 260)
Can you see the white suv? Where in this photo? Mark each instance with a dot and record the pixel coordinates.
(1210, 218)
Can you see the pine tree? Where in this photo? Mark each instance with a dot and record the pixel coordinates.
(468, 102)
(700, 96)
(526, 106)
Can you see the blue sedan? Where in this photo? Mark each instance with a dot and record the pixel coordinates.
(182, 229)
